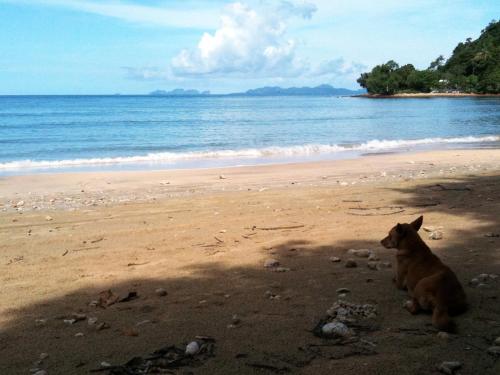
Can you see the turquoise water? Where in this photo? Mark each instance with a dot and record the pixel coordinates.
(60, 133)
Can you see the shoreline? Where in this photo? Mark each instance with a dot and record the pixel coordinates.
(74, 190)
(426, 95)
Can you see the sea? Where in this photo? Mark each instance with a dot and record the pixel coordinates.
(47, 134)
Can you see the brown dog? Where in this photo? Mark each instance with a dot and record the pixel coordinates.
(431, 284)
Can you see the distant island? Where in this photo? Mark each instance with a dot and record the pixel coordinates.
(472, 69)
(321, 90)
(179, 92)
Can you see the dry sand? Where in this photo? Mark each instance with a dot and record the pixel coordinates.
(204, 235)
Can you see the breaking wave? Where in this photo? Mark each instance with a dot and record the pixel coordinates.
(251, 153)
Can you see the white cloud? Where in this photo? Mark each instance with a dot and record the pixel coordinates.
(164, 16)
(247, 42)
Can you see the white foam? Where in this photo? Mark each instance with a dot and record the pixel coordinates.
(251, 153)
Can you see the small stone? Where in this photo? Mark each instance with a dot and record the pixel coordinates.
(235, 319)
(281, 269)
(40, 372)
(436, 235)
(192, 348)
(19, 204)
(443, 335)
(102, 326)
(270, 263)
(336, 329)
(48, 218)
(105, 364)
(493, 276)
(91, 321)
(497, 341)
(495, 350)
(449, 367)
(78, 316)
(373, 257)
(130, 332)
(429, 228)
(335, 259)
(351, 263)
(372, 265)
(343, 290)
(474, 282)
(43, 356)
(40, 322)
(484, 277)
(79, 334)
(385, 265)
(362, 253)
(161, 292)
(69, 321)
(222, 177)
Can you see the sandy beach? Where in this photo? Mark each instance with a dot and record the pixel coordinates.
(204, 237)
(424, 95)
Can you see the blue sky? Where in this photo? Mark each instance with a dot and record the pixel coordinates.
(133, 47)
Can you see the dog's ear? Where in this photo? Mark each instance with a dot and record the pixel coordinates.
(417, 223)
(400, 229)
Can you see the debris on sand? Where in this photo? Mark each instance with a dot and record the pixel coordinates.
(271, 263)
(449, 367)
(350, 263)
(377, 266)
(107, 298)
(335, 259)
(494, 350)
(194, 354)
(161, 292)
(443, 335)
(129, 297)
(436, 235)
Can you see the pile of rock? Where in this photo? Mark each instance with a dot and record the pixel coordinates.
(482, 280)
(345, 311)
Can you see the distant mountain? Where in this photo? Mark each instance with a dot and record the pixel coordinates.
(321, 90)
(179, 92)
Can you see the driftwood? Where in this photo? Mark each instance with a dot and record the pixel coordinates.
(442, 187)
(280, 228)
(375, 214)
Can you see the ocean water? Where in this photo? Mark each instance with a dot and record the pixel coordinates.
(61, 133)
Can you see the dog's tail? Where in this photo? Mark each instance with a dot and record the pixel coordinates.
(441, 319)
